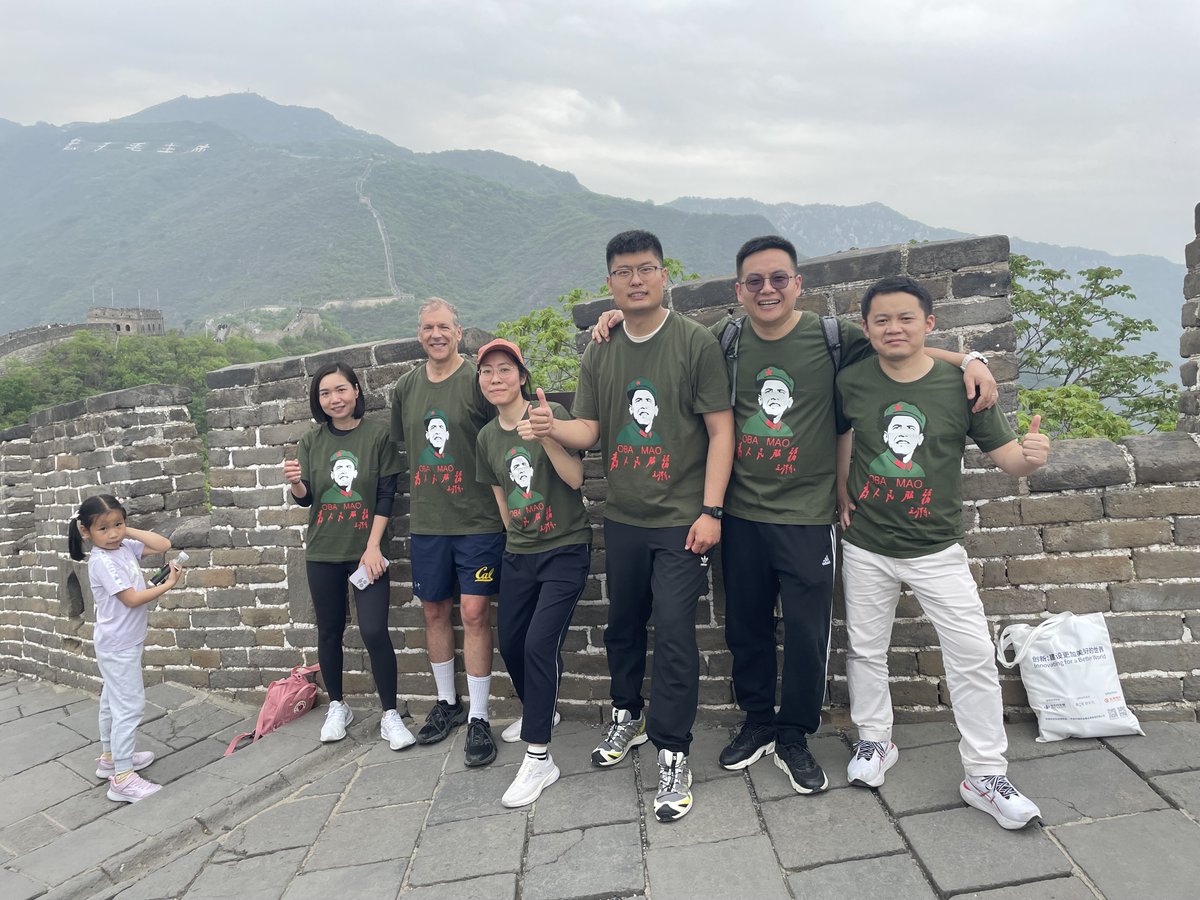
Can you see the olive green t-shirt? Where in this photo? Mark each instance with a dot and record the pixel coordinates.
(339, 520)
(909, 437)
(439, 422)
(649, 399)
(544, 513)
(784, 467)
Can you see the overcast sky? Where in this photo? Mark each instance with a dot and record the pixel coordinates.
(1066, 122)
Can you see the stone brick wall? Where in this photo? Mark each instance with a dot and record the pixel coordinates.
(1189, 342)
(1107, 527)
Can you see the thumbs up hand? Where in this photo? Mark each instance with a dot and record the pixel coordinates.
(1035, 448)
(540, 423)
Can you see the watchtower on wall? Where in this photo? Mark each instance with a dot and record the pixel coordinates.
(128, 320)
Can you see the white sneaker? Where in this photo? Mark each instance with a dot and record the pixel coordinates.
(534, 776)
(512, 733)
(996, 796)
(336, 719)
(393, 730)
(870, 762)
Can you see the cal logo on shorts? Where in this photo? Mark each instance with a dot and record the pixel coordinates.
(485, 574)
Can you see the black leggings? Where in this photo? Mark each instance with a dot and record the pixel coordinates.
(327, 583)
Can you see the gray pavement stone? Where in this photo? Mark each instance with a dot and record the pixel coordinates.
(1125, 857)
(572, 743)
(1023, 744)
(1167, 747)
(473, 794)
(894, 877)
(1182, 789)
(294, 823)
(41, 744)
(602, 861)
(175, 764)
(1054, 889)
(830, 827)
(266, 757)
(703, 757)
(367, 836)
(172, 879)
(921, 734)
(495, 847)
(186, 726)
(742, 867)
(1093, 784)
(924, 779)
(174, 804)
(47, 696)
(36, 789)
(830, 752)
(333, 783)
(721, 809)
(171, 696)
(257, 878)
(489, 887)
(84, 807)
(402, 781)
(29, 834)
(965, 850)
(76, 851)
(21, 725)
(580, 801)
(376, 881)
(14, 886)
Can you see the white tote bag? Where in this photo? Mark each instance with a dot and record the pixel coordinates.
(1070, 675)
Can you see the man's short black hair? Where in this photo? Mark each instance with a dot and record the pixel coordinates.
(633, 241)
(897, 284)
(766, 242)
(314, 391)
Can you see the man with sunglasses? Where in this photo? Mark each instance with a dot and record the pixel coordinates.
(778, 537)
(666, 479)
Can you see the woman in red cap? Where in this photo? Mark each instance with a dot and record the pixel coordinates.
(546, 559)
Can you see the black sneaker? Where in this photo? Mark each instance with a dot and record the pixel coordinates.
(481, 746)
(802, 770)
(752, 742)
(442, 719)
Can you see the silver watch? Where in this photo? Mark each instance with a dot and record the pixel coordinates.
(972, 354)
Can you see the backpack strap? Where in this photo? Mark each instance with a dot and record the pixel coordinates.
(306, 670)
(233, 745)
(833, 340)
(731, 335)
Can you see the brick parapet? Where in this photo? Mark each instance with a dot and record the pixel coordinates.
(1105, 527)
(1189, 341)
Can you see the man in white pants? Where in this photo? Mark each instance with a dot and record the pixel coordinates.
(904, 524)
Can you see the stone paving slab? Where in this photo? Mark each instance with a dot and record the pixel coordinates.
(294, 823)
(172, 880)
(1055, 889)
(375, 881)
(592, 862)
(76, 851)
(369, 835)
(1023, 743)
(722, 809)
(40, 744)
(964, 850)
(496, 847)
(473, 794)
(581, 801)
(1154, 854)
(829, 827)
(1181, 789)
(14, 886)
(894, 877)
(401, 781)
(1167, 747)
(29, 834)
(257, 878)
(924, 779)
(36, 789)
(830, 751)
(1092, 784)
(742, 867)
(489, 887)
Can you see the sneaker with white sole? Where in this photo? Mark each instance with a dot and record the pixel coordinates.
(996, 796)
(106, 769)
(393, 730)
(674, 798)
(512, 734)
(132, 789)
(337, 717)
(753, 741)
(534, 776)
(796, 761)
(623, 733)
(870, 762)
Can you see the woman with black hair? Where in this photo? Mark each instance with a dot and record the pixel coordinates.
(346, 475)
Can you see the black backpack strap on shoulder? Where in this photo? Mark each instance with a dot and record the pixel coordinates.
(731, 335)
(833, 340)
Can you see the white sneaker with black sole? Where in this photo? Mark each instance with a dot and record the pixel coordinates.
(512, 734)
(534, 776)
(870, 762)
(996, 796)
(337, 717)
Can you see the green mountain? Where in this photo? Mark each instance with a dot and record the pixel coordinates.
(226, 203)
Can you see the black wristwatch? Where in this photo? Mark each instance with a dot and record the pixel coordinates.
(716, 512)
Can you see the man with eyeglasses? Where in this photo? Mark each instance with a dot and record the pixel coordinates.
(778, 537)
(666, 482)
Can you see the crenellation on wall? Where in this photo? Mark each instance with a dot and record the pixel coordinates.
(1189, 340)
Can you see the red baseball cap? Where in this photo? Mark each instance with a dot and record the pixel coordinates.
(507, 346)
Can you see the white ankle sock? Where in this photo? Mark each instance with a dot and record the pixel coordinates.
(479, 687)
(443, 677)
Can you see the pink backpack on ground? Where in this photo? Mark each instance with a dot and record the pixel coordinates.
(288, 698)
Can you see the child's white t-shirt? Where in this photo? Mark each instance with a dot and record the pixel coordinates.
(118, 627)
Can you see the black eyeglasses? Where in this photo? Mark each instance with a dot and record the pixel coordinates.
(625, 272)
(754, 283)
